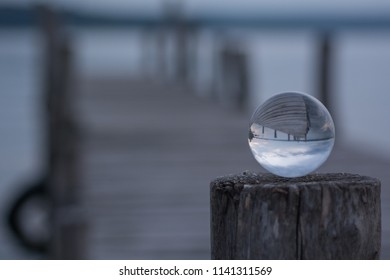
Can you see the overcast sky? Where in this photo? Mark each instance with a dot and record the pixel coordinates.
(359, 7)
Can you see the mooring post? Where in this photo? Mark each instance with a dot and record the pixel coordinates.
(324, 70)
(319, 216)
(68, 226)
(235, 76)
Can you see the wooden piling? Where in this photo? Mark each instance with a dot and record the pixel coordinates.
(61, 140)
(319, 216)
(324, 70)
(234, 91)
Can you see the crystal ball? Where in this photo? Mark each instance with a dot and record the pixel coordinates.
(291, 134)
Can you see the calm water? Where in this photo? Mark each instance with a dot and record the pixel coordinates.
(279, 62)
(19, 122)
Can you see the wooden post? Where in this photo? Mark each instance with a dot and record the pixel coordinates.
(181, 35)
(234, 76)
(324, 68)
(62, 155)
(161, 48)
(319, 216)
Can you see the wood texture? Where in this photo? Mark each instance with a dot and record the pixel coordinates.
(319, 216)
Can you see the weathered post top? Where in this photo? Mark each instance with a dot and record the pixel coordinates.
(319, 216)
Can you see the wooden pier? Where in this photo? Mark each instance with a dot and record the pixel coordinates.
(130, 162)
(148, 152)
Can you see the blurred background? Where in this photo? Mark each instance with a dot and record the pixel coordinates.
(115, 115)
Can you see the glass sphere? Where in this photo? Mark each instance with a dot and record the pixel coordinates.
(291, 134)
